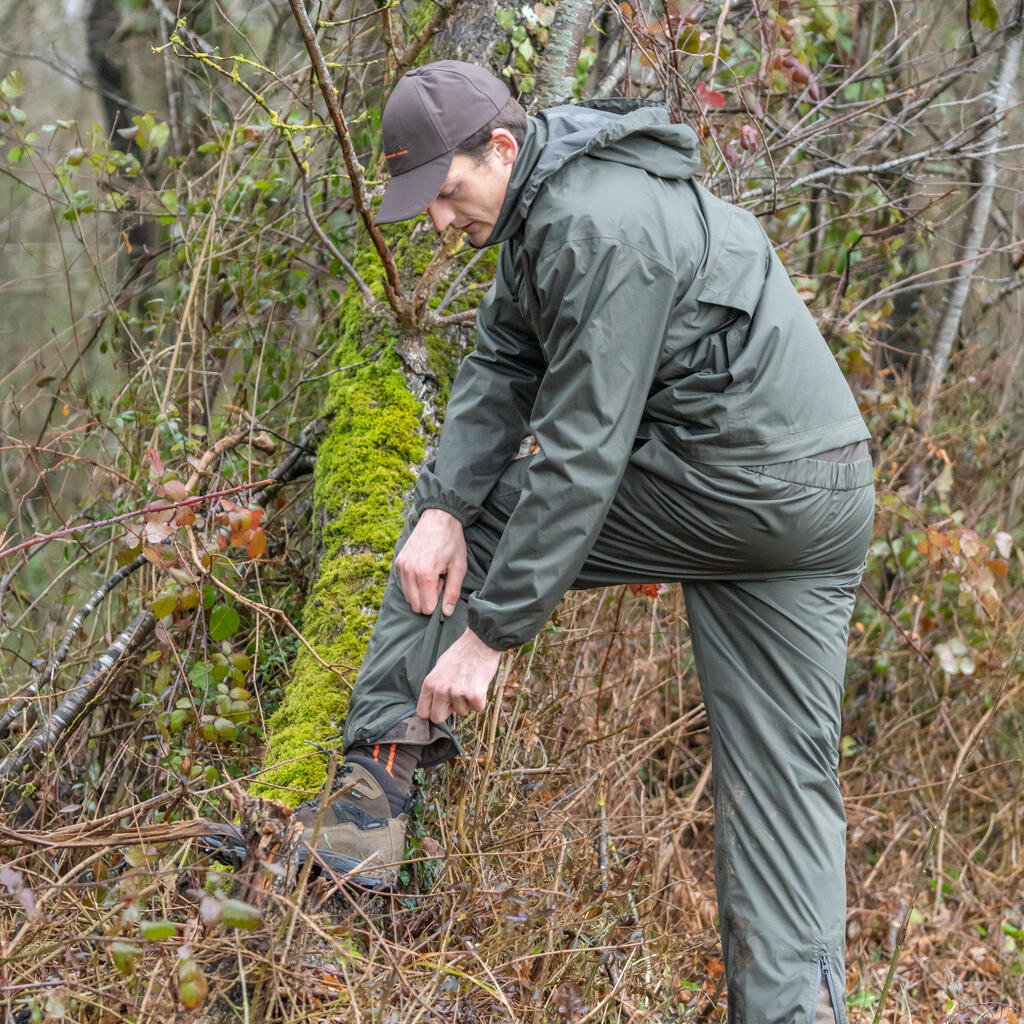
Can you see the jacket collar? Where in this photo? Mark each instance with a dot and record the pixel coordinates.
(513, 212)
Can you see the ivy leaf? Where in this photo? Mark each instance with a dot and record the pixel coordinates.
(506, 19)
(223, 622)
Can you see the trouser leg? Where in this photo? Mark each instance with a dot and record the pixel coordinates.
(405, 645)
(770, 647)
(770, 656)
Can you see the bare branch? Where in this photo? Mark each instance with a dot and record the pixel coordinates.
(330, 246)
(392, 285)
(1009, 67)
(81, 696)
(25, 702)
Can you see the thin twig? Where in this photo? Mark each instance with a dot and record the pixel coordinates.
(392, 285)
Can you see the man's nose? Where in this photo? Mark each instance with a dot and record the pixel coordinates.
(441, 215)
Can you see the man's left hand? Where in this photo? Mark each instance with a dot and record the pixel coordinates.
(458, 682)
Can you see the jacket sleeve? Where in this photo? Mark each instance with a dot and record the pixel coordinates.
(488, 411)
(606, 307)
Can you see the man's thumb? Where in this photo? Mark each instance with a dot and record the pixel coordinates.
(452, 587)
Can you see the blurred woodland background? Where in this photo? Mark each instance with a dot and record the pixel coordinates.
(216, 384)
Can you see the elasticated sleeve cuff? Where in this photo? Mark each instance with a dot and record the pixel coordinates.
(430, 492)
(496, 636)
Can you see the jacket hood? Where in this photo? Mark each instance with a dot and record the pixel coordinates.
(632, 132)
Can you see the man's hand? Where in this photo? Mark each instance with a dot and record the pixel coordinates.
(435, 548)
(458, 682)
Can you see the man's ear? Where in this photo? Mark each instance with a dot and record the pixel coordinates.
(505, 146)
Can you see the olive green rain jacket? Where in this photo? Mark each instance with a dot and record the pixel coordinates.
(629, 304)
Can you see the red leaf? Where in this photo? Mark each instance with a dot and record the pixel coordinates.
(709, 97)
(749, 138)
(648, 589)
(153, 555)
(155, 462)
(239, 538)
(175, 490)
(154, 532)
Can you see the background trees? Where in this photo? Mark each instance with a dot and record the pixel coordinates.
(218, 384)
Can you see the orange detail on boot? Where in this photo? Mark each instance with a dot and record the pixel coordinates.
(375, 749)
(391, 759)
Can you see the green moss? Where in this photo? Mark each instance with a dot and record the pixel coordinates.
(365, 468)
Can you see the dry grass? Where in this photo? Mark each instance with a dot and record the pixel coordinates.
(562, 870)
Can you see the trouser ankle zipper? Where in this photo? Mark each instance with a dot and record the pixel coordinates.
(826, 973)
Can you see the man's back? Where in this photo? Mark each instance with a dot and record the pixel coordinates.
(742, 373)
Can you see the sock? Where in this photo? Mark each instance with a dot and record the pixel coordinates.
(392, 765)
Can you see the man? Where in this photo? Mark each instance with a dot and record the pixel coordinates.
(692, 426)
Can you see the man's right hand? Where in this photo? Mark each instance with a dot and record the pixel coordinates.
(435, 548)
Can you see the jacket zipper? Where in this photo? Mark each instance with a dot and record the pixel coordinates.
(825, 971)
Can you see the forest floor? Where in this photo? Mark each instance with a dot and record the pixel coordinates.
(562, 871)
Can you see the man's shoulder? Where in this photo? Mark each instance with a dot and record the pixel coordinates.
(597, 199)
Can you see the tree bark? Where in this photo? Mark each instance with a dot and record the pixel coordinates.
(558, 61)
(933, 370)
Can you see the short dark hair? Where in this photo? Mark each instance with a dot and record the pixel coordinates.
(511, 117)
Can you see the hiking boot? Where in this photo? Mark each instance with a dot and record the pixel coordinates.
(359, 827)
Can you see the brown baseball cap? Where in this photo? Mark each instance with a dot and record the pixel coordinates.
(431, 110)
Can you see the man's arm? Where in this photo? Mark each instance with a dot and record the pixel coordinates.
(489, 408)
(607, 306)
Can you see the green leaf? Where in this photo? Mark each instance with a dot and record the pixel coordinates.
(154, 931)
(165, 604)
(986, 12)
(192, 987)
(224, 621)
(159, 134)
(236, 914)
(125, 954)
(201, 676)
(13, 85)
(225, 730)
(506, 19)
(169, 198)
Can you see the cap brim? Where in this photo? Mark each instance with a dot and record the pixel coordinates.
(411, 193)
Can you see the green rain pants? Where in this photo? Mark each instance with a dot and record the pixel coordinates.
(770, 558)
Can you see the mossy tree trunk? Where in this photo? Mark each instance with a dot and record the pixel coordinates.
(383, 419)
(383, 416)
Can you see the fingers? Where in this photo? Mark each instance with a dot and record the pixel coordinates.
(453, 587)
(420, 587)
(434, 704)
(436, 548)
(438, 704)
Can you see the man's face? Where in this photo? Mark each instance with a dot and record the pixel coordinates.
(473, 192)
